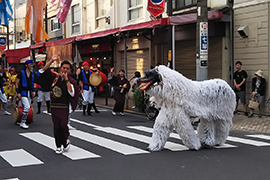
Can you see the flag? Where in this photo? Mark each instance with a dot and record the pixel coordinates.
(34, 14)
(5, 12)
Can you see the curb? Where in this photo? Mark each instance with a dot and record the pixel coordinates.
(125, 110)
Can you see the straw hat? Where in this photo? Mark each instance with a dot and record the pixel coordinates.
(259, 73)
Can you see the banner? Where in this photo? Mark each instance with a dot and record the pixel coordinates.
(3, 43)
(156, 7)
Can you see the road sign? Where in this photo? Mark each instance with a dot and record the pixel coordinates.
(203, 38)
(156, 7)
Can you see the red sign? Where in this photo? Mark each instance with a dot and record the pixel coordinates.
(3, 47)
(156, 7)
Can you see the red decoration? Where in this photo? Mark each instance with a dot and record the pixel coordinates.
(156, 7)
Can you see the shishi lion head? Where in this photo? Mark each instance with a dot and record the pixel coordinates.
(151, 80)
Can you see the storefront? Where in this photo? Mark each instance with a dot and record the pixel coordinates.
(185, 46)
(97, 54)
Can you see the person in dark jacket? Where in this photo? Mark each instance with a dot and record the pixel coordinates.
(258, 90)
(121, 88)
(64, 92)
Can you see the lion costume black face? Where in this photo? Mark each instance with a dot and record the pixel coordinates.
(151, 77)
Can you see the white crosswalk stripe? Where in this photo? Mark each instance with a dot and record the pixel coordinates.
(19, 157)
(172, 135)
(260, 136)
(247, 141)
(107, 143)
(75, 153)
(141, 138)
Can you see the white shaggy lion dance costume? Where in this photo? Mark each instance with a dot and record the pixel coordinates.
(211, 101)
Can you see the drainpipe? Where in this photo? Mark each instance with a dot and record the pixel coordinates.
(231, 68)
(125, 57)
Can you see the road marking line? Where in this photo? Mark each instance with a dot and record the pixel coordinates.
(172, 135)
(78, 121)
(75, 153)
(107, 143)
(141, 138)
(260, 136)
(19, 157)
(247, 141)
(80, 110)
(12, 179)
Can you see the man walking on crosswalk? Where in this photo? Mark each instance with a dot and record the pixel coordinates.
(64, 91)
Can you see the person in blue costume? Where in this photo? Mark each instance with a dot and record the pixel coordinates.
(26, 91)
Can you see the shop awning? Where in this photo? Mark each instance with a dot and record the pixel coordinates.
(15, 55)
(97, 34)
(38, 58)
(60, 42)
(37, 46)
(148, 24)
(192, 18)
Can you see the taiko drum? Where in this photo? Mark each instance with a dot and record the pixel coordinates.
(17, 114)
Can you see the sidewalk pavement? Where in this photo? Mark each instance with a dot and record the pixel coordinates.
(240, 121)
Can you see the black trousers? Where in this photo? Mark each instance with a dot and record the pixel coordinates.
(60, 128)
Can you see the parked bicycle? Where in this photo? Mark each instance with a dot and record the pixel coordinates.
(150, 108)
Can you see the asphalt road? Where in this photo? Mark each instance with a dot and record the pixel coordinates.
(106, 147)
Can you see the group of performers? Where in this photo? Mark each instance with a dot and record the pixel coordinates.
(61, 90)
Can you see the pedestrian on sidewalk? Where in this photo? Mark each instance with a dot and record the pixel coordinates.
(121, 88)
(64, 91)
(239, 79)
(258, 91)
(26, 90)
(42, 91)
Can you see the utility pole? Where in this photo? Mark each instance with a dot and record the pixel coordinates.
(15, 33)
(202, 41)
(46, 18)
(171, 38)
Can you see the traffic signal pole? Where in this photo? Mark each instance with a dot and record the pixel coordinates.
(171, 38)
(202, 41)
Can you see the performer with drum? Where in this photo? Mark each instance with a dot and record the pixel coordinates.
(3, 97)
(26, 91)
(86, 88)
(64, 91)
(41, 91)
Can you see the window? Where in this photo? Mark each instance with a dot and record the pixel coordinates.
(75, 18)
(180, 4)
(55, 25)
(135, 9)
(102, 5)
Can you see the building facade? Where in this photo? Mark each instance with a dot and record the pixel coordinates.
(251, 38)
